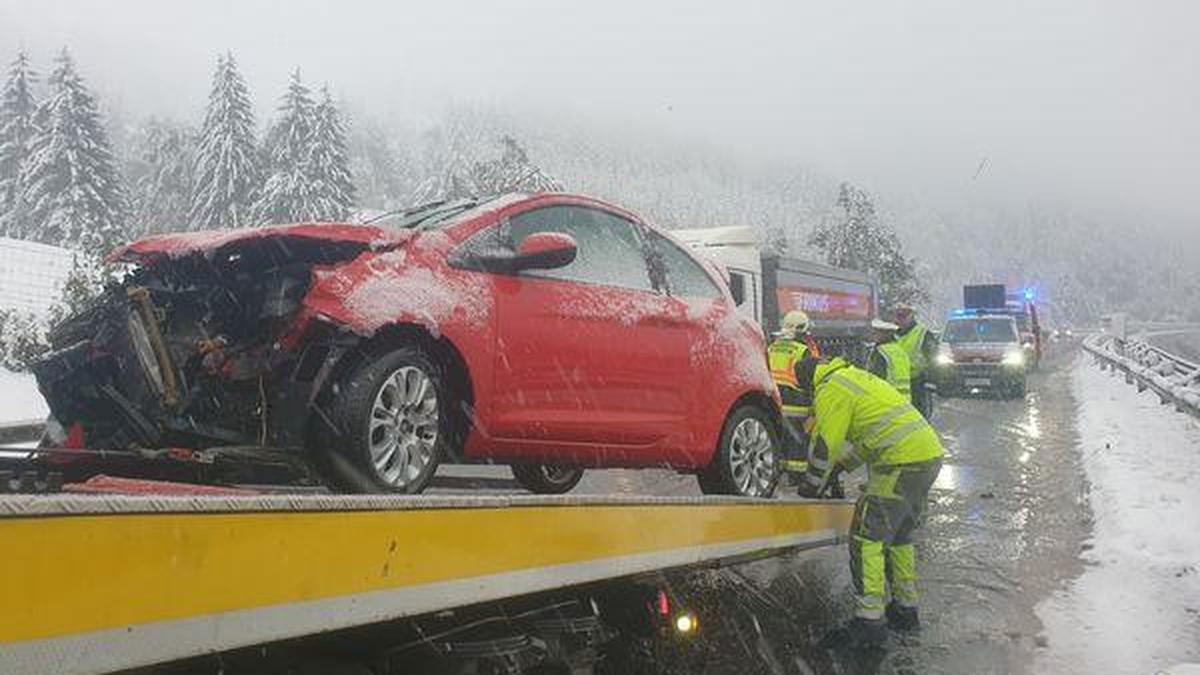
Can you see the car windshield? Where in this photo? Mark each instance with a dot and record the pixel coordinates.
(980, 330)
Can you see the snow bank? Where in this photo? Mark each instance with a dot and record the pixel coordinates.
(19, 397)
(1136, 608)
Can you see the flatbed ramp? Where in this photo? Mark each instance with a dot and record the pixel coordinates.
(93, 584)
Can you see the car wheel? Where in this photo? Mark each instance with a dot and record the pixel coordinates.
(747, 460)
(388, 423)
(1018, 390)
(547, 479)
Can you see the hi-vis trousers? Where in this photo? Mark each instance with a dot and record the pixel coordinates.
(881, 546)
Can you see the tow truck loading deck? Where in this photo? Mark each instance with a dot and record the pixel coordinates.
(94, 584)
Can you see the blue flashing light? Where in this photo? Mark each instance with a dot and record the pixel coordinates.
(1029, 294)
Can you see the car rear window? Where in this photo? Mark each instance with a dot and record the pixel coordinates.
(980, 330)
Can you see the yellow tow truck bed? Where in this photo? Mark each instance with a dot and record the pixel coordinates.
(92, 584)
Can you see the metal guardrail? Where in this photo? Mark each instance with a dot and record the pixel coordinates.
(1175, 380)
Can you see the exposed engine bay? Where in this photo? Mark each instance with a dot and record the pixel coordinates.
(196, 350)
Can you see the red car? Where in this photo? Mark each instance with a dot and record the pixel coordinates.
(550, 332)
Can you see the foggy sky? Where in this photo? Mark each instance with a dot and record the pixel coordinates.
(1094, 103)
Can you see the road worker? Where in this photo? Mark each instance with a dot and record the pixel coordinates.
(888, 361)
(921, 346)
(860, 419)
(790, 345)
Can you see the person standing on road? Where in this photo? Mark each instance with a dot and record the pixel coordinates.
(790, 345)
(888, 361)
(860, 419)
(921, 346)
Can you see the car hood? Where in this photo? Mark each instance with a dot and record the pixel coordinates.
(984, 351)
(185, 243)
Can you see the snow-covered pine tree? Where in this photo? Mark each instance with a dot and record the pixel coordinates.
(288, 195)
(451, 151)
(159, 170)
(383, 176)
(511, 172)
(227, 173)
(854, 238)
(70, 183)
(17, 108)
(328, 166)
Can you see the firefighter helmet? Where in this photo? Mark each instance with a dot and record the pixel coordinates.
(794, 323)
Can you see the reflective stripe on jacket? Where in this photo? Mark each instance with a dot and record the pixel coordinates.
(852, 406)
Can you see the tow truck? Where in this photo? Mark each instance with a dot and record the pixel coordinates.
(226, 562)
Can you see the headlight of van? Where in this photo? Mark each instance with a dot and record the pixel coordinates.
(944, 357)
(1014, 358)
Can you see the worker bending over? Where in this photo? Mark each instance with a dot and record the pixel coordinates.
(860, 419)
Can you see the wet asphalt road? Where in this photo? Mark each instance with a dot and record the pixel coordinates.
(1007, 518)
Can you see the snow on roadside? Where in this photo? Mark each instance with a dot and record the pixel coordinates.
(19, 397)
(1136, 607)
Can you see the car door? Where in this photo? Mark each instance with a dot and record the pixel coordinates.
(704, 365)
(583, 354)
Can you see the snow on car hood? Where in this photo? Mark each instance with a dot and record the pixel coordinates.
(184, 243)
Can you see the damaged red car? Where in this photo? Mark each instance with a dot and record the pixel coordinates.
(550, 332)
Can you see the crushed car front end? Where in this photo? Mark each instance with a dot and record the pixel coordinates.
(206, 341)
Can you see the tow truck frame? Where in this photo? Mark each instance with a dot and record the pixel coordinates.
(94, 582)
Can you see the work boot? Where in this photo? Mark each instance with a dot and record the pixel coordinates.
(859, 632)
(902, 617)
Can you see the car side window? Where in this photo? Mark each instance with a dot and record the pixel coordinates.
(609, 248)
(685, 277)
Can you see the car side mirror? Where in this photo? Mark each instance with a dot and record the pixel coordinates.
(545, 251)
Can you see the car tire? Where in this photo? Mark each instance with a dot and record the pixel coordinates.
(746, 462)
(1018, 390)
(387, 424)
(547, 479)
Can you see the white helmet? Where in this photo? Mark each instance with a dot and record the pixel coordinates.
(794, 323)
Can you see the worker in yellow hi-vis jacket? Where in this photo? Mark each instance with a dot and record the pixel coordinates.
(862, 420)
(790, 345)
(888, 360)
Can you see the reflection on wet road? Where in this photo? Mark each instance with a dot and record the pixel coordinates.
(1005, 526)
(1007, 519)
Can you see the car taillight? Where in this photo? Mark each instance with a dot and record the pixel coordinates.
(663, 604)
